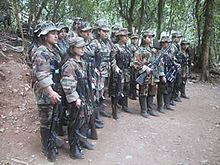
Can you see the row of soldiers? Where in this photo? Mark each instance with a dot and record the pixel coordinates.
(75, 70)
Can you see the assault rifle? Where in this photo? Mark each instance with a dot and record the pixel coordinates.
(140, 79)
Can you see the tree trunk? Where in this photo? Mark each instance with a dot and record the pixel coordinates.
(159, 16)
(43, 5)
(18, 21)
(206, 39)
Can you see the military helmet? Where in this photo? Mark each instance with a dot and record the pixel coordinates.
(184, 42)
(176, 35)
(47, 27)
(85, 26)
(165, 39)
(77, 42)
(122, 32)
(134, 36)
(61, 25)
(148, 32)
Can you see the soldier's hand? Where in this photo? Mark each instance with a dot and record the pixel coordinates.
(78, 103)
(55, 97)
(117, 70)
(148, 70)
(164, 79)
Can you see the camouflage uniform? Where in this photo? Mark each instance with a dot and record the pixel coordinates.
(184, 59)
(120, 84)
(133, 74)
(74, 80)
(45, 73)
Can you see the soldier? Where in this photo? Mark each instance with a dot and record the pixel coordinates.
(133, 48)
(74, 32)
(34, 45)
(184, 59)
(45, 65)
(63, 30)
(176, 38)
(85, 31)
(170, 70)
(143, 57)
(115, 29)
(77, 89)
(120, 84)
(102, 50)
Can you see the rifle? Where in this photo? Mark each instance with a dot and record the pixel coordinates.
(140, 79)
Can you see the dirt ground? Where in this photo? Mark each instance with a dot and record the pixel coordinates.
(188, 136)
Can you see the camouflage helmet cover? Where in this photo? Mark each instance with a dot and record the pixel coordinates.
(77, 42)
(165, 39)
(134, 36)
(46, 27)
(61, 25)
(176, 34)
(85, 26)
(148, 32)
(122, 32)
(184, 42)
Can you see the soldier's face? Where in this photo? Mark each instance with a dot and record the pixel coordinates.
(148, 39)
(78, 51)
(86, 34)
(177, 40)
(103, 34)
(51, 38)
(134, 41)
(124, 38)
(184, 46)
(165, 44)
(62, 34)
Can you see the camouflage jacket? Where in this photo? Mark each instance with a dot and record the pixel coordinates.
(123, 60)
(43, 71)
(133, 49)
(106, 50)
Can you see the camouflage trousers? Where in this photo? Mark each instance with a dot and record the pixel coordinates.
(45, 114)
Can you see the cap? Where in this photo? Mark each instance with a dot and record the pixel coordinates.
(47, 27)
(148, 33)
(122, 32)
(184, 42)
(85, 26)
(60, 26)
(176, 35)
(77, 42)
(77, 20)
(133, 36)
(165, 39)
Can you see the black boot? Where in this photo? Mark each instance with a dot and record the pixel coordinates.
(50, 152)
(150, 106)
(160, 103)
(105, 114)
(125, 105)
(183, 94)
(115, 114)
(167, 102)
(92, 132)
(98, 118)
(177, 99)
(142, 101)
(172, 102)
(75, 151)
(84, 131)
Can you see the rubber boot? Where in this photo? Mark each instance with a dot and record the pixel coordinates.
(125, 105)
(172, 102)
(51, 155)
(115, 114)
(104, 113)
(98, 118)
(150, 106)
(183, 94)
(167, 102)
(142, 101)
(84, 131)
(160, 103)
(177, 99)
(75, 148)
(75, 152)
(92, 134)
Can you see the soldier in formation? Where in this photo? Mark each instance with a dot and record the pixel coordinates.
(74, 71)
